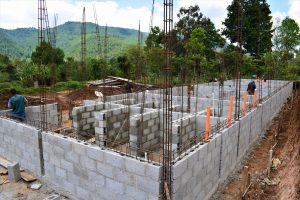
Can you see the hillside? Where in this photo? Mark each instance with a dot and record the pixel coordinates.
(19, 43)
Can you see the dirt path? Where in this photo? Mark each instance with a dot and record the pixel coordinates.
(284, 136)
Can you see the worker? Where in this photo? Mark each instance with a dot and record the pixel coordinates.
(17, 104)
(251, 88)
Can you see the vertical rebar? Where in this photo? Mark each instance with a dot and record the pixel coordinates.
(99, 50)
(42, 82)
(238, 63)
(83, 47)
(105, 44)
(167, 101)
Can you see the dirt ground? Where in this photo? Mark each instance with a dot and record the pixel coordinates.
(22, 191)
(252, 181)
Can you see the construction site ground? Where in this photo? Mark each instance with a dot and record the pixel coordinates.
(251, 180)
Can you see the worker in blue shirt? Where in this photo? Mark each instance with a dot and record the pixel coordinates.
(17, 104)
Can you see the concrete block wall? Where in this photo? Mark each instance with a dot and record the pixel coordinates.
(83, 118)
(185, 129)
(182, 131)
(144, 133)
(197, 175)
(33, 114)
(111, 125)
(88, 172)
(20, 143)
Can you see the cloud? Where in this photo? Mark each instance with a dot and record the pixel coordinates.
(23, 13)
(109, 12)
(294, 10)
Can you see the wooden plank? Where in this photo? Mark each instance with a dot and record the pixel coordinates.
(92, 140)
(3, 171)
(27, 177)
(4, 162)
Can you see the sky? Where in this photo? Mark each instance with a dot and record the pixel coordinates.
(124, 13)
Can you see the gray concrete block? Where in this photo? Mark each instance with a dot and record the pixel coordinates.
(148, 185)
(106, 170)
(114, 186)
(95, 153)
(135, 167)
(13, 172)
(179, 168)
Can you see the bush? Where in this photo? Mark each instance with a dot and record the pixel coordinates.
(5, 85)
(70, 85)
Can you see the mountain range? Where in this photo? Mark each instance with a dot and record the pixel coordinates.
(21, 42)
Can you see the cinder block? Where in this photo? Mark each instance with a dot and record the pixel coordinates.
(95, 154)
(179, 168)
(148, 185)
(14, 172)
(90, 108)
(114, 159)
(86, 115)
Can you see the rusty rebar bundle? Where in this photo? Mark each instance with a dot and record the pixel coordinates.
(167, 101)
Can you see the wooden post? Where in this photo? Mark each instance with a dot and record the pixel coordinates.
(245, 103)
(207, 123)
(230, 111)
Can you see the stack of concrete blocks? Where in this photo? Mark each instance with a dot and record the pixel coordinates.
(193, 180)
(183, 130)
(20, 143)
(186, 128)
(88, 172)
(33, 115)
(111, 125)
(84, 120)
(144, 132)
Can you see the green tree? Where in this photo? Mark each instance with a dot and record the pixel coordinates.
(7, 69)
(154, 38)
(50, 57)
(97, 68)
(289, 35)
(46, 54)
(249, 22)
(191, 18)
(27, 72)
(137, 59)
(124, 66)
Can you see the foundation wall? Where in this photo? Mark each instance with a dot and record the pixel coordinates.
(83, 118)
(185, 130)
(110, 124)
(20, 143)
(198, 175)
(33, 115)
(147, 134)
(88, 172)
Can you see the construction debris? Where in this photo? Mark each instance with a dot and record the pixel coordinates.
(14, 172)
(36, 186)
(27, 177)
(275, 163)
(271, 182)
